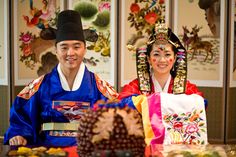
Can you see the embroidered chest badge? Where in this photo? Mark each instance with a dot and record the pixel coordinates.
(73, 111)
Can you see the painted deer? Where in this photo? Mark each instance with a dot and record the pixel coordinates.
(186, 39)
(197, 45)
(202, 46)
(194, 32)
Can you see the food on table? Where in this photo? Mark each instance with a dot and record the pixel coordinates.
(37, 152)
(112, 131)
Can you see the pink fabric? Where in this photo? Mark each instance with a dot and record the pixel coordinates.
(154, 102)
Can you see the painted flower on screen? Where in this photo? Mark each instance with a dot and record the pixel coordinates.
(142, 17)
(104, 6)
(144, 14)
(27, 56)
(151, 18)
(26, 37)
(134, 8)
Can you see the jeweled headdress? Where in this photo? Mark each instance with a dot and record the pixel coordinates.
(162, 35)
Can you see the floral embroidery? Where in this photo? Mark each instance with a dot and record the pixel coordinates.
(185, 128)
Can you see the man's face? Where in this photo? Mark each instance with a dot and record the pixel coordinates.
(70, 54)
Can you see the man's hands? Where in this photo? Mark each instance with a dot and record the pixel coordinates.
(17, 140)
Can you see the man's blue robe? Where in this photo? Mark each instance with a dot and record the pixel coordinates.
(33, 107)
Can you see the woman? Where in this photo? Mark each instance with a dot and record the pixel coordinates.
(165, 69)
(172, 108)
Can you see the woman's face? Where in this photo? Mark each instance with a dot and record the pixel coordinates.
(162, 59)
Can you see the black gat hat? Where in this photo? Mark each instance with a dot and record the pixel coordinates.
(69, 26)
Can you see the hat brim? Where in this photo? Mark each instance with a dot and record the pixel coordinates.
(50, 34)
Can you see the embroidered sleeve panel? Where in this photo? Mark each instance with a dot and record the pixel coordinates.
(105, 88)
(31, 88)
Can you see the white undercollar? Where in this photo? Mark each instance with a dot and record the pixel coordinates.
(157, 86)
(78, 78)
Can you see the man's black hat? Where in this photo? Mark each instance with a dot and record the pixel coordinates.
(69, 26)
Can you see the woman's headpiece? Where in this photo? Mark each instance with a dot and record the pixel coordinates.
(162, 35)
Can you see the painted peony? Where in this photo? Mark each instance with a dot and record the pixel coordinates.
(134, 8)
(161, 1)
(26, 38)
(104, 6)
(151, 18)
(26, 50)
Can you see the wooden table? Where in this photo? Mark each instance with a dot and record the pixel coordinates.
(152, 151)
(3, 150)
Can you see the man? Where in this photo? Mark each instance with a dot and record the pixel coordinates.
(46, 112)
